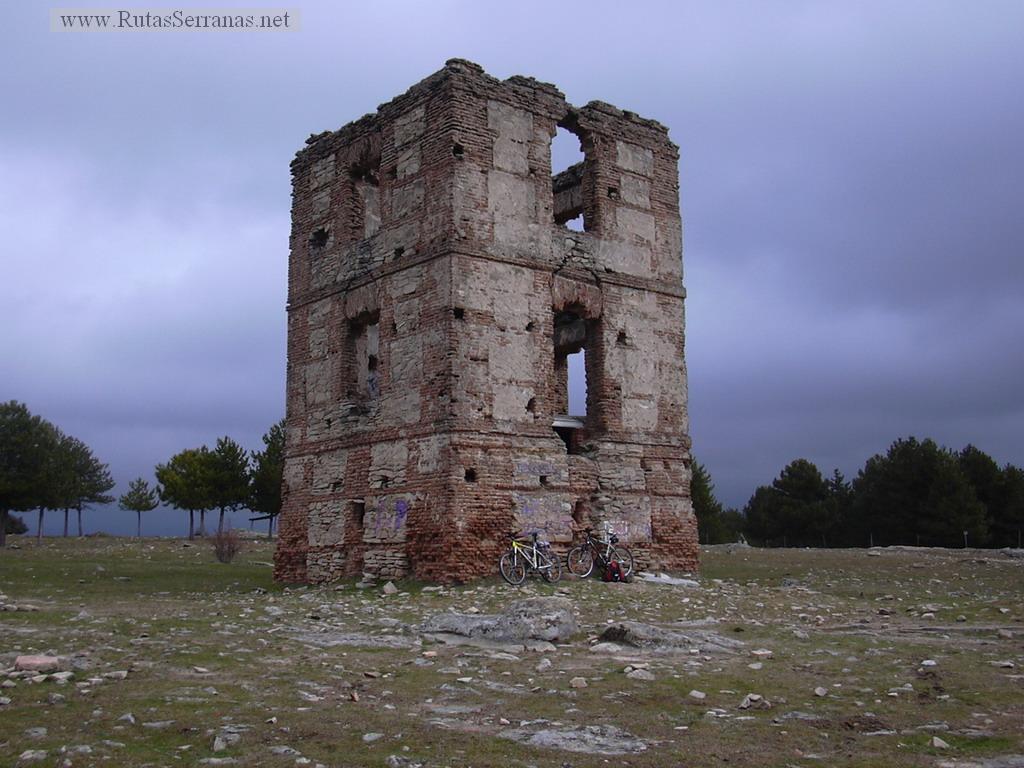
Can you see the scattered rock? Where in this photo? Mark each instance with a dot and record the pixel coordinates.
(1004, 761)
(397, 761)
(820, 692)
(806, 717)
(537, 618)
(31, 756)
(939, 743)
(578, 682)
(38, 663)
(664, 578)
(697, 695)
(539, 646)
(371, 737)
(754, 701)
(505, 657)
(543, 665)
(650, 637)
(390, 588)
(592, 739)
(869, 725)
(640, 674)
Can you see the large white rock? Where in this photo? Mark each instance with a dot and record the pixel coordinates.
(38, 663)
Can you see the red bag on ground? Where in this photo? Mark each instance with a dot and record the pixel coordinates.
(612, 572)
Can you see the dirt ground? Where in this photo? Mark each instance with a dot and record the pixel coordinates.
(897, 657)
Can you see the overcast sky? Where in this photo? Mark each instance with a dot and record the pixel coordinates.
(852, 177)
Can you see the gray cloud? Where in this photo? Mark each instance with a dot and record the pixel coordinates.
(850, 181)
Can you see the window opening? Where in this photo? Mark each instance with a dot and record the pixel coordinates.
(364, 371)
(567, 169)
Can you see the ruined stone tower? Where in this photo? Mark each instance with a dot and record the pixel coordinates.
(434, 296)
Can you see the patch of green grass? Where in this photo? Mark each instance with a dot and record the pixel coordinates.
(160, 609)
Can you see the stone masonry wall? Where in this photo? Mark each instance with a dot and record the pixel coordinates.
(433, 295)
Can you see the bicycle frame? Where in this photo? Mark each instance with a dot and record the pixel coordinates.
(537, 557)
(601, 547)
(529, 553)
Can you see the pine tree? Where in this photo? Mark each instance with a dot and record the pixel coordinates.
(139, 498)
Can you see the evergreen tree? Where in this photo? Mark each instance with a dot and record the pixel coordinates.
(917, 494)
(42, 468)
(1007, 523)
(229, 477)
(48, 481)
(761, 515)
(839, 511)
(715, 524)
(93, 481)
(75, 466)
(184, 483)
(705, 506)
(985, 477)
(266, 476)
(139, 498)
(793, 510)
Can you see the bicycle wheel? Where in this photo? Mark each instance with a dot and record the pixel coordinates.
(624, 558)
(550, 567)
(580, 561)
(513, 569)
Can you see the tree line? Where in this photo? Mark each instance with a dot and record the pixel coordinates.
(225, 478)
(41, 469)
(917, 493)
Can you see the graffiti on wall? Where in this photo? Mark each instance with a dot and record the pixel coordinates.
(534, 467)
(630, 530)
(385, 517)
(550, 514)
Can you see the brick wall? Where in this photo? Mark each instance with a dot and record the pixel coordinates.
(427, 276)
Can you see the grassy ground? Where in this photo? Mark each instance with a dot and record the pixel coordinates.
(304, 675)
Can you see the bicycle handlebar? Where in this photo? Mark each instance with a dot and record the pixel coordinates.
(514, 535)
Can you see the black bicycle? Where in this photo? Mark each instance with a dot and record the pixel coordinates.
(580, 560)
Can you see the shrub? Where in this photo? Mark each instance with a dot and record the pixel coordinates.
(226, 544)
(16, 525)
